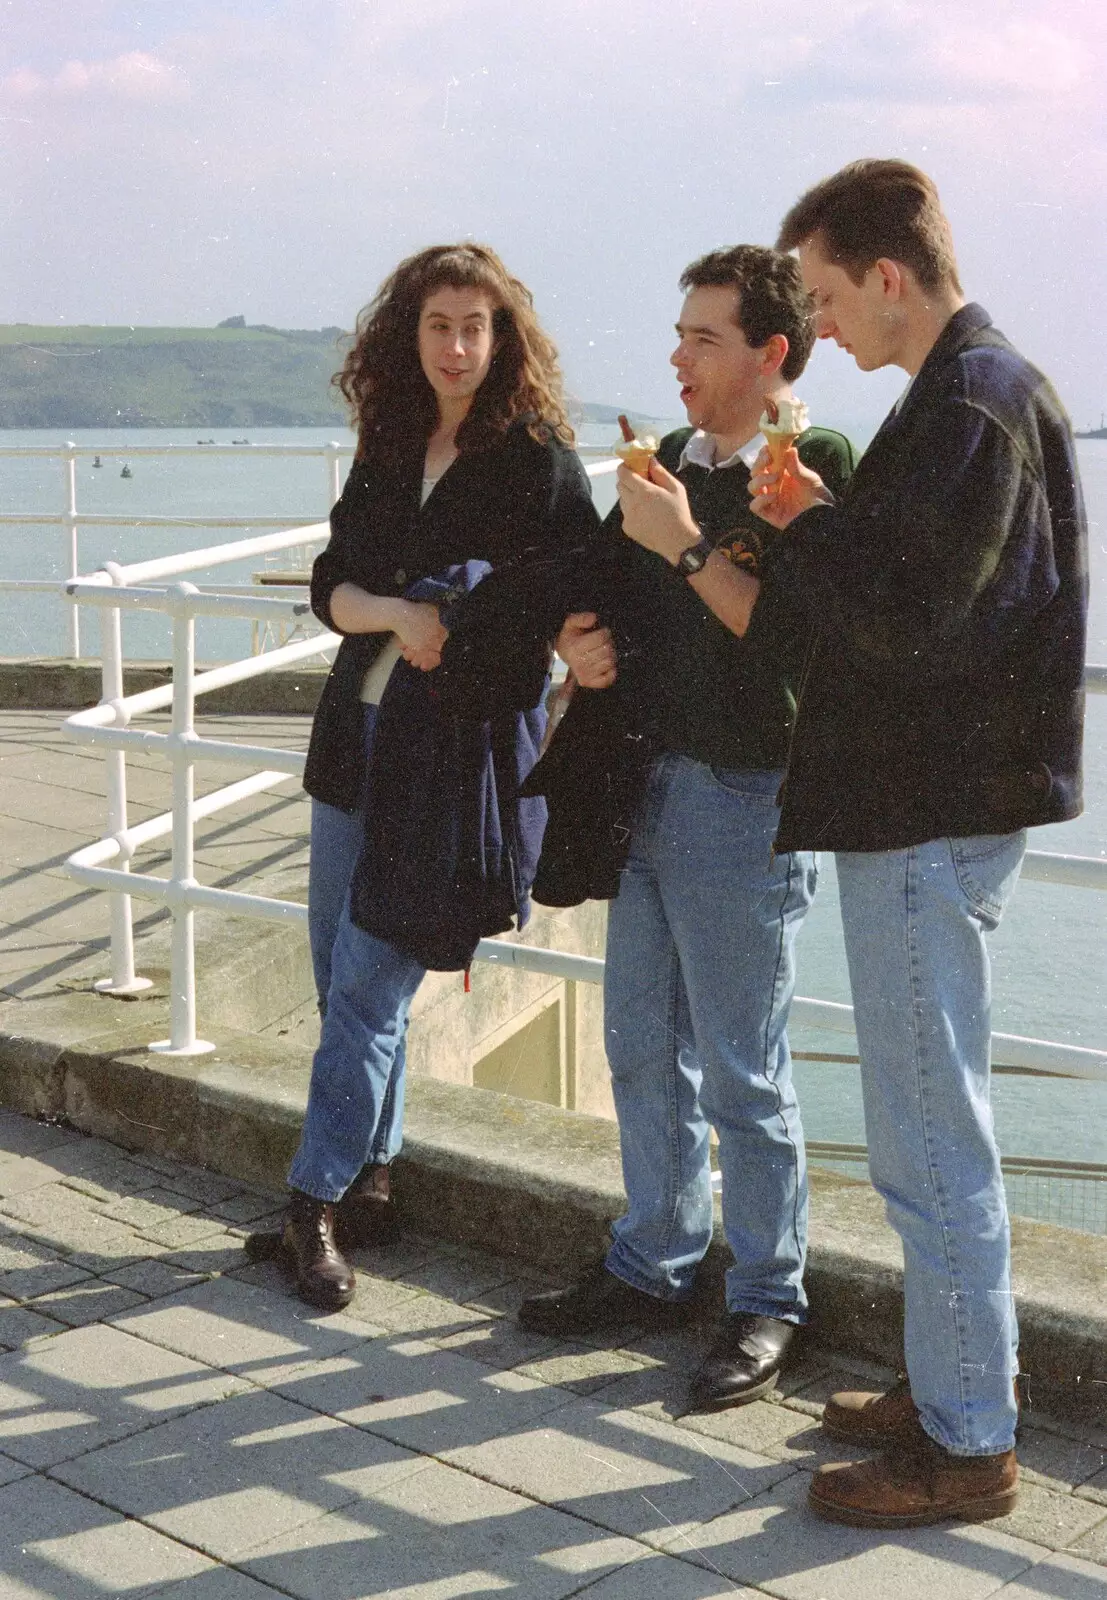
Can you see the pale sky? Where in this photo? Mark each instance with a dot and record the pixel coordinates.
(178, 163)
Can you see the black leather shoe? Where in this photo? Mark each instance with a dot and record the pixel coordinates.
(365, 1216)
(742, 1364)
(600, 1300)
(323, 1277)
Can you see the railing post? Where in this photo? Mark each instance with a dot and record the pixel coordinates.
(123, 979)
(69, 461)
(331, 454)
(182, 1039)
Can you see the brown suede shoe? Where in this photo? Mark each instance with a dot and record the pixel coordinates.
(915, 1483)
(366, 1216)
(323, 1277)
(861, 1417)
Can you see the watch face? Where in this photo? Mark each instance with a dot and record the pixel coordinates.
(694, 558)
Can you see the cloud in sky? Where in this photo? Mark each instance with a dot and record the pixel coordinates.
(180, 161)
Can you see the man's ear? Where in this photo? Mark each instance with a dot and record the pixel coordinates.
(774, 352)
(892, 277)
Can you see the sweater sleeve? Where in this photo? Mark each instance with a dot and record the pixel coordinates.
(948, 565)
(497, 655)
(349, 556)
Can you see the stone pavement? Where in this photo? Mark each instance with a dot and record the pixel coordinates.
(172, 1422)
(52, 801)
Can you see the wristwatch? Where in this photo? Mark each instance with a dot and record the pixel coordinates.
(694, 559)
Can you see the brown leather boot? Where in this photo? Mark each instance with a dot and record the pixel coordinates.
(915, 1483)
(323, 1277)
(861, 1417)
(366, 1216)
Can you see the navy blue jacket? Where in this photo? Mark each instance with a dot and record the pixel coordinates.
(450, 847)
(943, 695)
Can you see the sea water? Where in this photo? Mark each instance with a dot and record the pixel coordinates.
(1049, 954)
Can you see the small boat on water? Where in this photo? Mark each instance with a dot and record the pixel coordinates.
(126, 473)
(97, 462)
(240, 441)
(1092, 433)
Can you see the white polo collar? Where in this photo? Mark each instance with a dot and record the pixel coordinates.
(699, 451)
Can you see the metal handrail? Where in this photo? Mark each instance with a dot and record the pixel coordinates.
(71, 520)
(121, 587)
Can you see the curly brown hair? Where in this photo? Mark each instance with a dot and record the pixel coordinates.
(391, 403)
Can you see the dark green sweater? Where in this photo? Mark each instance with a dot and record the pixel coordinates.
(689, 685)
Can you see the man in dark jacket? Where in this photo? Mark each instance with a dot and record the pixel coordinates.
(667, 765)
(942, 716)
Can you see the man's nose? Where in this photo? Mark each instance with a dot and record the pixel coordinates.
(677, 356)
(824, 325)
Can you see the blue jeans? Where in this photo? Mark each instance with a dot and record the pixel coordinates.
(336, 840)
(698, 983)
(914, 923)
(349, 1109)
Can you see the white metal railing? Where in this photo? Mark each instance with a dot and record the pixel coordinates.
(106, 864)
(70, 520)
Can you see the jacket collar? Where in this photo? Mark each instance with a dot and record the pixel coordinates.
(961, 329)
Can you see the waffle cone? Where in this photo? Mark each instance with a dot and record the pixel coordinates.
(779, 445)
(636, 458)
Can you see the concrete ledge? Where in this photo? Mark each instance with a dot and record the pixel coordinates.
(60, 684)
(512, 1175)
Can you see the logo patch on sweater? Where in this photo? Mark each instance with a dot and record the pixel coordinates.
(743, 549)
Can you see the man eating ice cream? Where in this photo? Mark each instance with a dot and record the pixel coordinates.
(661, 783)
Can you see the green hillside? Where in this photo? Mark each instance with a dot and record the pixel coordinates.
(227, 377)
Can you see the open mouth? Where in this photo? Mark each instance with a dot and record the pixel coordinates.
(687, 390)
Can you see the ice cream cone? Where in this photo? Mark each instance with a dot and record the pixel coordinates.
(779, 445)
(636, 456)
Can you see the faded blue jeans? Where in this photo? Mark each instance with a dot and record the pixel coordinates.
(698, 983)
(336, 840)
(914, 923)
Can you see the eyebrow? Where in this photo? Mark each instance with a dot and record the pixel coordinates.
(696, 327)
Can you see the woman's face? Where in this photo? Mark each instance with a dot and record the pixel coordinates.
(455, 342)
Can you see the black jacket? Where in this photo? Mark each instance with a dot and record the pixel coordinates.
(514, 503)
(944, 695)
(450, 847)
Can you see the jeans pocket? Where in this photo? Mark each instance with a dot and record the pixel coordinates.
(758, 787)
(987, 868)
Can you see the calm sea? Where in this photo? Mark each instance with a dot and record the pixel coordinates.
(1050, 966)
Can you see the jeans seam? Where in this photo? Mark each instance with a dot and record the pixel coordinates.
(911, 899)
(772, 1014)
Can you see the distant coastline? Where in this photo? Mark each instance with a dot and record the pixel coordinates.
(231, 376)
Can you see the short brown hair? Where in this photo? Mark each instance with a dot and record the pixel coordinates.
(771, 298)
(873, 209)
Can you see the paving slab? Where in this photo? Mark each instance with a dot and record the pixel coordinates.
(774, 1543)
(1059, 1521)
(219, 1583)
(57, 1543)
(417, 1395)
(241, 1329)
(662, 1577)
(1059, 1578)
(233, 1475)
(622, 1470)
(438, 1534)
(88, 1386)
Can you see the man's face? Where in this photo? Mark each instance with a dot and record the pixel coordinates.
(719, 373)
(857, 316)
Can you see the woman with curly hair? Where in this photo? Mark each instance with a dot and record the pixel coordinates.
(420, 845)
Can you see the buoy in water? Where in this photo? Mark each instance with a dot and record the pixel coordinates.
(126, 473)
(97, 462)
